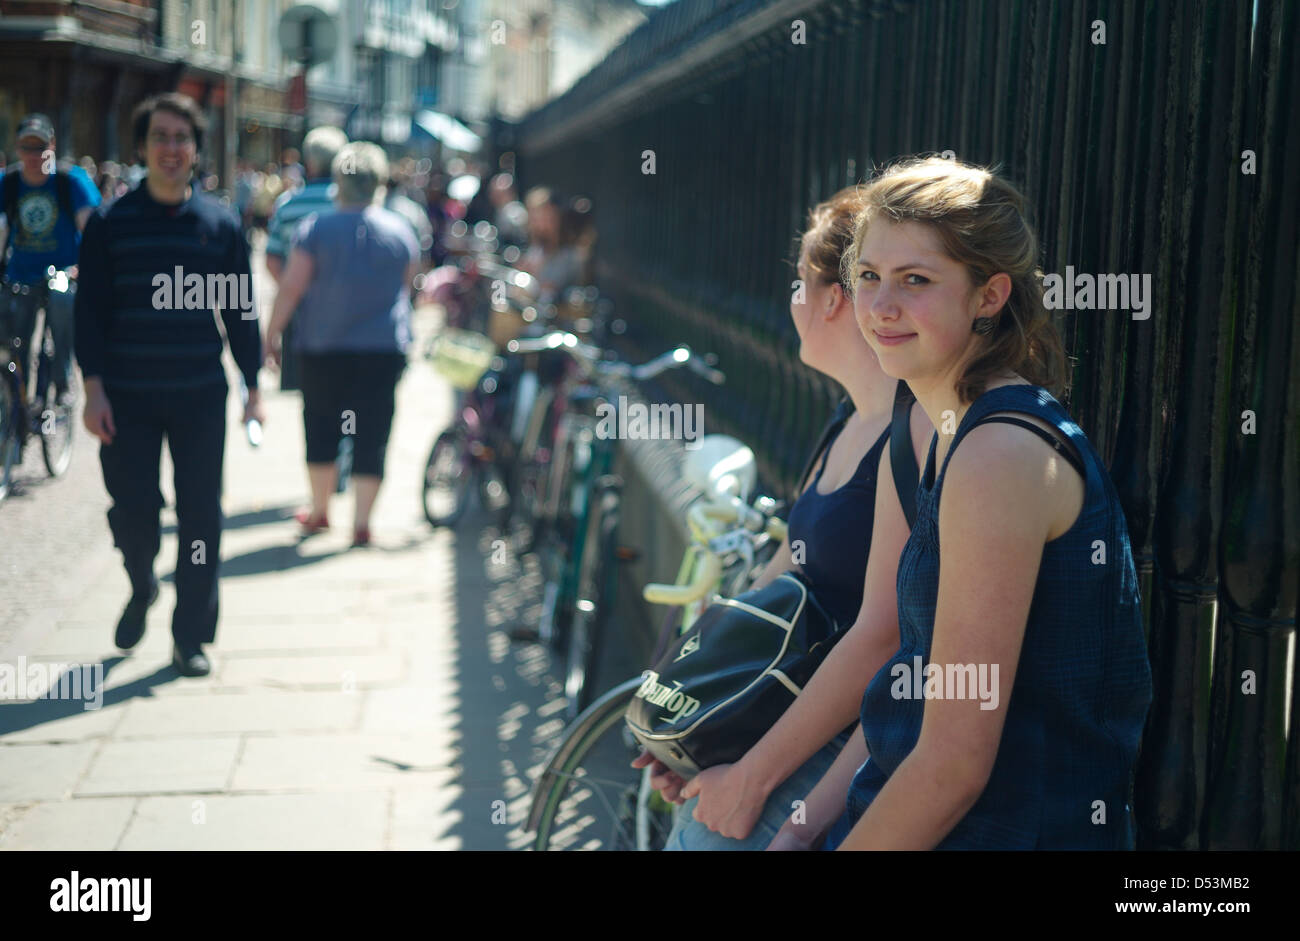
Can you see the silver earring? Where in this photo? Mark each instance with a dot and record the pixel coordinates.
(982, 325)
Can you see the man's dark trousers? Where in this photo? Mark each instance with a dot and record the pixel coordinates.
(194, 422)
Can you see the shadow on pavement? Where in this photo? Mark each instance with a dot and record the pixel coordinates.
(271, 514)
(270, 559)
(511, 708)
(83, 682)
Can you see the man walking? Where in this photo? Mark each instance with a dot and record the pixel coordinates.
(319, 149)
(154, 267)
(44, 211)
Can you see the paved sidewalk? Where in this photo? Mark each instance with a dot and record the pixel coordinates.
(360, 698)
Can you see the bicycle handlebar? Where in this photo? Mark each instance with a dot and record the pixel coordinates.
(703, 519)
(590, 357)
(706, 576)
(702, 515)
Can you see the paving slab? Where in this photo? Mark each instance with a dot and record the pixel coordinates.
(345, 762)
(336, 671)
(161, 766)
(223, 713)
(317, 821)
(254, 638)
(82, 825)
(42, 772)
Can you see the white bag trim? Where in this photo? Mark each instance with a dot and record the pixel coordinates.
(769, 670)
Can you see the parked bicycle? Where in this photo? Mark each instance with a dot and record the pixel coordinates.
(491, 442)
(29, 404)
(588, 796)
(576, 498)
(474, 449)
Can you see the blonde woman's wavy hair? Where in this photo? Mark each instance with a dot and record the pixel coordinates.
(980, 221)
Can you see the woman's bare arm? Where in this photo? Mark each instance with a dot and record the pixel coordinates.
(732, 796)
(825, 802)
(996, 505)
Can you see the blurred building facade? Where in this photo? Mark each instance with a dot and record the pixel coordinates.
(514, 55)
(87, 62)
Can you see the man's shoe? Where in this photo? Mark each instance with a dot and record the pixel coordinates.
(191, 662)
(130, 627)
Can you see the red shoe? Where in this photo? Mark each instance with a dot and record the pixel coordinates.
(361, 538)
(310, 524)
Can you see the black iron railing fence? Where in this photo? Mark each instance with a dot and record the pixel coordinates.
(1168, 149)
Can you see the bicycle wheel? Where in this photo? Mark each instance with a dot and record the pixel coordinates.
(493, 494)
(56, 430)
(589, 797)
(595, 593)
(447, 479)
(10, 435)
(553, 533)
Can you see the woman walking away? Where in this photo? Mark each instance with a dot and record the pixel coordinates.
(1010, 715)
(348, 284)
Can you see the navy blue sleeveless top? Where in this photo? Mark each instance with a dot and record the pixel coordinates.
(830, 534)
(1082, 686)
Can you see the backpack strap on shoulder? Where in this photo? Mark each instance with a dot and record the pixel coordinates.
(63, 193)
(902, 458)
(9, 198)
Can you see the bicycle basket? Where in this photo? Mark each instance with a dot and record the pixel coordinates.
(463, 356)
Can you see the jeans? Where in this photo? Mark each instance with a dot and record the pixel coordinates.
(689, 834)
(58, 314)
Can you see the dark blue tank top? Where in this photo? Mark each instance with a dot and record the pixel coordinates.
(1082, 686)
(832, 534)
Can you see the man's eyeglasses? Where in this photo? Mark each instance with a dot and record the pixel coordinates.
(178, 140)
(33, 148)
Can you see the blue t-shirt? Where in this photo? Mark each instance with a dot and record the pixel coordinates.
(46, 236)
(357, 301)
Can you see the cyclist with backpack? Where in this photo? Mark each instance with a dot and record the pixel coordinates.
(44, 212)
(845, 534)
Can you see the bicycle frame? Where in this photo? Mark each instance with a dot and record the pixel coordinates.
(699, 577)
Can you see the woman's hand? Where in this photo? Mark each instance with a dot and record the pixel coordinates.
(667, 782)
(788, 839)
(731, 799)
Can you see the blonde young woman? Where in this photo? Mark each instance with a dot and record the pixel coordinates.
(1037, 610)
(846, 539)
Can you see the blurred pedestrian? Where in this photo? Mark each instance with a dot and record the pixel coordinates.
(346, 288)
(292, 171)
(320, 146)
(396, 200)
(510, 216)
(151, 354)
(551, 257)
(244, 184)
(270, 185)
(578, 231)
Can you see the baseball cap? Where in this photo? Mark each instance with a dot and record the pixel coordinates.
(36, 125)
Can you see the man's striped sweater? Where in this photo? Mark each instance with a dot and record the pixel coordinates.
(136, 329)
